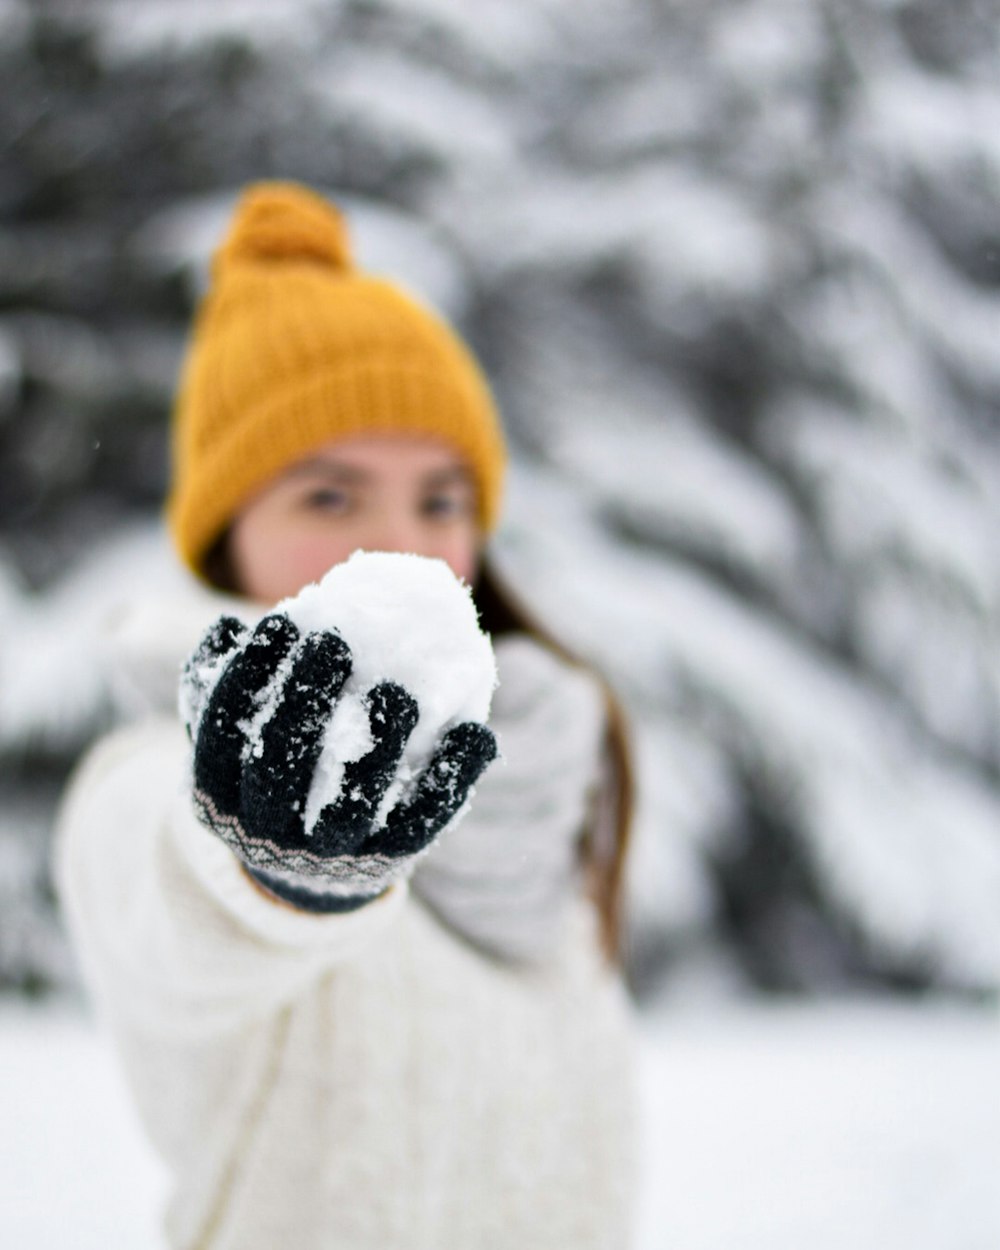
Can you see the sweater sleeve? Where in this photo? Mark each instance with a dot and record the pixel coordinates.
(168, 928)
(503, 876)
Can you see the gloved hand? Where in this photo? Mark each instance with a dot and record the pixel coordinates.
(256, 705)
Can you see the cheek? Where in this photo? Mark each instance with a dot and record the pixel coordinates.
(461, 553)
(276, 561)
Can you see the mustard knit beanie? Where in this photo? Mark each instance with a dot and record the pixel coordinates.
(293, 347)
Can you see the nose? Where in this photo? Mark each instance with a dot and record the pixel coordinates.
(397, 532)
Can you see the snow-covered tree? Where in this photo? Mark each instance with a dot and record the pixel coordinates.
(735, 269)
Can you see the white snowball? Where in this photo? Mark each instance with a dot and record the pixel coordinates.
(406, 619)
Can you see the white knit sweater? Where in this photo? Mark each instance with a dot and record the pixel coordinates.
(412, 1074)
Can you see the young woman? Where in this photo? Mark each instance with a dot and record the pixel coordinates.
(410, 1036)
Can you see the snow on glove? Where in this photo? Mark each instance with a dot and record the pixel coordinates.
(258, 706)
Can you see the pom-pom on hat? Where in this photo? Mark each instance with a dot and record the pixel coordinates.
(292, 347)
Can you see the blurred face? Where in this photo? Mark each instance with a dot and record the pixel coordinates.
(379, 493)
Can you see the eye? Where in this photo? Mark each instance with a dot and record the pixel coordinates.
(326, 499)
(447, 505)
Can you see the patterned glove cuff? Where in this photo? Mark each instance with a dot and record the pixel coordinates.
(301, 876)
(307, 897)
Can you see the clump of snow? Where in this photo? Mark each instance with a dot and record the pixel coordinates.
(950, 317)
(501, 35)
(132, 32)
(10, 361)
(751, 47)
(407, 619)
(417, 105)
(678, 484)
(879, 809)
(64, 666)
(927, 122)
(685, 234)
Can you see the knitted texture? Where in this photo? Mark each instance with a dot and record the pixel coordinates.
(253, 792)
(293, 346)
(364, 1080)
(502, 876)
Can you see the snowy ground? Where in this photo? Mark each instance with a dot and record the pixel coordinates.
(823, 1128)
(838, 1127)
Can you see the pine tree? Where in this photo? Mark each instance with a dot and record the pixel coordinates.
(735, 270)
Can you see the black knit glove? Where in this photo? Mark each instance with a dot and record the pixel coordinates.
(256, 705)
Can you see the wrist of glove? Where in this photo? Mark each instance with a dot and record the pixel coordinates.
(257, 705)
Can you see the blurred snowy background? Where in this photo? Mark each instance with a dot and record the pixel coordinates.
(734, 266)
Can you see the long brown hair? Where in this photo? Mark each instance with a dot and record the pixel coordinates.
(502, 611)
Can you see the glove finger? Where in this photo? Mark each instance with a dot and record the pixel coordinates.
(279, 769)
(197, 677)
(344, 824)
(222, 637)
(456, 766)
(233, 702)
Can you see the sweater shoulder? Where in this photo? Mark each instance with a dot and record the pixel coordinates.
(148, 756)
(532, 676)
